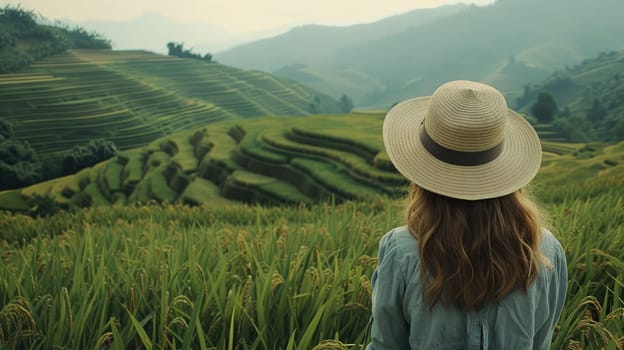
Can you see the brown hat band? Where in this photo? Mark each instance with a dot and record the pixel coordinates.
(454, 157)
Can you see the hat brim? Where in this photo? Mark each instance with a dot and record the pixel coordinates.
(514, 167)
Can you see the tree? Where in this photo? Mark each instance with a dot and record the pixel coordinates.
(80, 157)
(565, 112)
(19, 164)
(80, 38)
(346, 104)
(573, 129)
(315, 105)
(596, 112)
(19, 174)
(526, 97)
(23, 40)
(613, 127)
(177, 49)
(545, 108)
(6, 130)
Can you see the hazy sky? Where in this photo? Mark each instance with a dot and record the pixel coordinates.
(233, 15)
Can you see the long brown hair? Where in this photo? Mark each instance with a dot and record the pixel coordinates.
(474, 252)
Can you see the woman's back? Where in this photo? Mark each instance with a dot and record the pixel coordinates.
(403, 320)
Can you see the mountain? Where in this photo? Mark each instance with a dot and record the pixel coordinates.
(134, 97)
(312, 44)
(507, 44)
(152, 31)
(589, 96)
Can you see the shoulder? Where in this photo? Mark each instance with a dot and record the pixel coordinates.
(398, 240)
(554, 264)
(550, 247)
(399, 247)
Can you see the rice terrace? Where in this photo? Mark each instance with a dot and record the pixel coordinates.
(155, 201)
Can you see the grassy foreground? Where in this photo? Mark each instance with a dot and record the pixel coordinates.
(247, 277)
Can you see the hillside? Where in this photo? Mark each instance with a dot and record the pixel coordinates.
(507, 44)
(134, 97)
(23, 40)
(266, 160)
(312, 44)
(589, 96)
(223, 275)
(275, 161)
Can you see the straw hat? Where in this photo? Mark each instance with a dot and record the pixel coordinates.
(462, 142)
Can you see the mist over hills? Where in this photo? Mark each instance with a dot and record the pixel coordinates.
(507, 44)
(152, 31)
(589, 98)
(312, 44)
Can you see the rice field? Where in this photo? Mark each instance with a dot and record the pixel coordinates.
(221, 232)
(135, 97)
(151, 272)
(167, 257)
(235, 276)
(289, 160)
(276, 160)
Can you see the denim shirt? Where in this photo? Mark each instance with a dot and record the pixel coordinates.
(401, 319)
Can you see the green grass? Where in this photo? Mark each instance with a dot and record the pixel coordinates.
(232, 276)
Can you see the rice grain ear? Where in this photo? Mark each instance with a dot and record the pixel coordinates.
(17, 322)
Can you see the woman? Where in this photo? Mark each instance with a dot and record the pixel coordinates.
(473, 268)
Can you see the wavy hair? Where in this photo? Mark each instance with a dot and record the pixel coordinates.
(474, 252)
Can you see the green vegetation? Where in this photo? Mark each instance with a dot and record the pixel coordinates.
(232, 276)
(280, 160)
(153, 249)
(18, 164)
(346, 104)
(131, 98)
(378, 66)
(21, 166)
(267, 160)
(23, 40)
(131, 273)
(590, 97)
(545, 108)
(177, 49)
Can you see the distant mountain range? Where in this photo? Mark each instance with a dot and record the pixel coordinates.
(507, 44)
(152, 32)
(313, 44)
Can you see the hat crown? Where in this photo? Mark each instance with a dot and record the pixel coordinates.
(466, 116)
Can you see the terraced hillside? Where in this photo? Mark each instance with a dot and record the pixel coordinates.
(276, 160)
(134, 97)
(267, 160)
